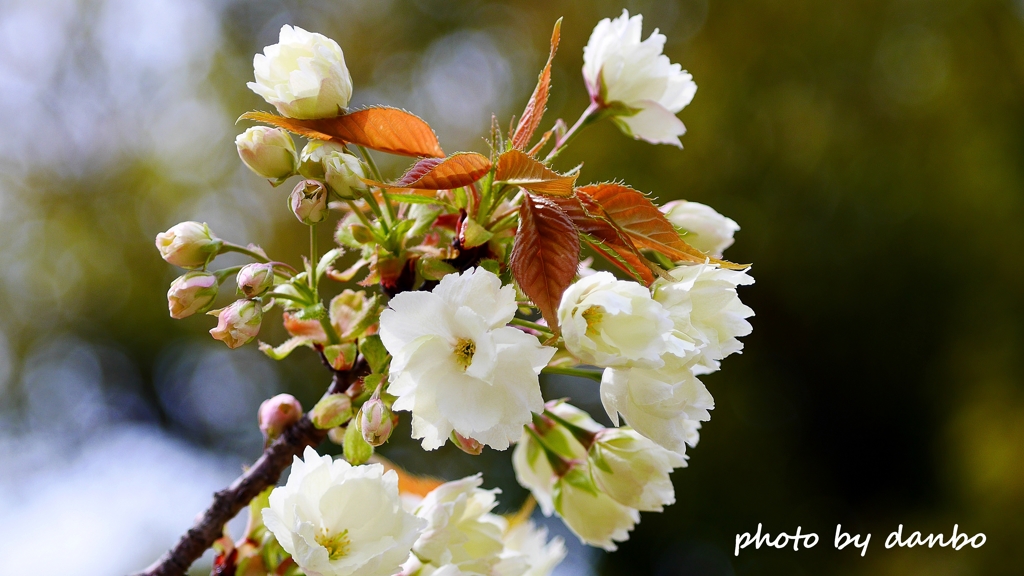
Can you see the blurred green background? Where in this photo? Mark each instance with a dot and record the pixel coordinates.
(871, 150)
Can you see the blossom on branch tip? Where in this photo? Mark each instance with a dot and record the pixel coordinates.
(336, 519)
(458, 366)
(611, 322)
(191, 293)
(461, 529)
(633, 470)
(188, 244)
(269, 152)
(239, 323)
(528, 552)
(706, 311)
(707, 230)
(304, 75)
(640, 85)
(659, 403)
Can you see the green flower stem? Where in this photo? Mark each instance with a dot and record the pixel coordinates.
(359, 213)
(592, 374)
(388, 206)
(229, 247)
(312, 257)
(223, 274)
(588, 117)
(531, 325)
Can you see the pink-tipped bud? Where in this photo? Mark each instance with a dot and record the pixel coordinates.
(255, 279)
(191, 293)
(278, 413)
(467, 445)
(332, 411)
(308, 201)
(376, 423)
(188, 244)
(239, 323)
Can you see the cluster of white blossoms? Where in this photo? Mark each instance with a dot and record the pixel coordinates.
(478, 242)
(335, 519)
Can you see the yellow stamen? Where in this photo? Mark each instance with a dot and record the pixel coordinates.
(336, 545)
(464, 351)
(593, 316)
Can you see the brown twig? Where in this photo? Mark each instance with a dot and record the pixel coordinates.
(265, 472)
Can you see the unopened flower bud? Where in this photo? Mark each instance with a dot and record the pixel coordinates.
(308, 201)
(332, 411)
(311, 159)
(239, 323)
(192, 292)
(188, 244)
(255, 279)
(375, 422)
(269, 152)
(344, 174)
(278, 413)
(467, 445)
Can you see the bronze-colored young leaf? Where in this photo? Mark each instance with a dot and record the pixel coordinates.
(604, 237)
(534, 111)
(380, 128)
(645, 225)
(458, 170)
(518, 168)
(545, 254)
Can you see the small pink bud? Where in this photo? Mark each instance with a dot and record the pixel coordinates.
(308, 201)
(239, 323)
(191, 293)
(255, 279)
(188, 245)
(467, 445)
(375, 422)
(278, 413)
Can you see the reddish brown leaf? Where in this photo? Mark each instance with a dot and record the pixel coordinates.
(604, 237)
(645, 225)
(380, 128)
(545, 254)
(517, 168)
(534, 111)
(459, 169)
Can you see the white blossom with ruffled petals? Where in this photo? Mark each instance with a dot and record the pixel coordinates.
(457, 365)
(620, 69)
(706, 311)
(633, 470)
(660, 404)
(304, 75)
(460, 527)
(528, 552)
(611, 322)
(336, 519)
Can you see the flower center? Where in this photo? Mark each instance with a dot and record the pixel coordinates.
(593, 316)
(464, 351)
(337, 545)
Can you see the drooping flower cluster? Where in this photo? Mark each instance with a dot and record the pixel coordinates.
(470, 288)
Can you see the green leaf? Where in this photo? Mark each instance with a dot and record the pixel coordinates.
(281, 352)
(357, 451)
(473, 234)
(375, 353)
(326, 260)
